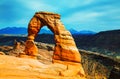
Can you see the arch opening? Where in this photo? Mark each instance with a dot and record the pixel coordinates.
(45, 30)
(45, 35)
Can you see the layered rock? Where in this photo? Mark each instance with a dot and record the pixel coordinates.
(23, 68)
(65, 48)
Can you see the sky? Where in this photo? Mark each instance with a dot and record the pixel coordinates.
(93, 15)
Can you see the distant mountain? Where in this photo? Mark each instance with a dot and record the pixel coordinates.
(73, 31)
(87, 32)
(13, 30)
(45, 31)
(83, 32)
(106, 39)
(21, 30)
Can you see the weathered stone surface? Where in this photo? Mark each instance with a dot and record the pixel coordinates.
(65, 47)
(31, 49)
(72, 69)
(2, 53)
(16, 45)
(23, 68)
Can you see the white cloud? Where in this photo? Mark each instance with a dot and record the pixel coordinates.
(82, 17)
(21, 21)
(74, 3)
(37, 5)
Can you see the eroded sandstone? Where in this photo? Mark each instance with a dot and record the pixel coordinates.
(23, 68)
(65, 49)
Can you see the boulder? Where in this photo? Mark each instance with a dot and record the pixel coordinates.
(2, 53)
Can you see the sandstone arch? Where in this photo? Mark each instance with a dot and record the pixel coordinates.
(65, 48)
(65, 51)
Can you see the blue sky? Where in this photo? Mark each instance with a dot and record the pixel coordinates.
(94, 15)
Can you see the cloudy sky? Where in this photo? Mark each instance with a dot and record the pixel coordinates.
(94, 15)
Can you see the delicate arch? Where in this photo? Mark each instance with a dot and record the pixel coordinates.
(65, 47)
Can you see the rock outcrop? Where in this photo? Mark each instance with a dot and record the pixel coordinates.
(23, 68)
(16, 45)
(65, 50)
(100, 66)
(2, 53)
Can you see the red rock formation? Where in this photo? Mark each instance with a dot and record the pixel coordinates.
(16, 45)
(65, 47)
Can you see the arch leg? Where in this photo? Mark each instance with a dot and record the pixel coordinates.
(33, 29)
